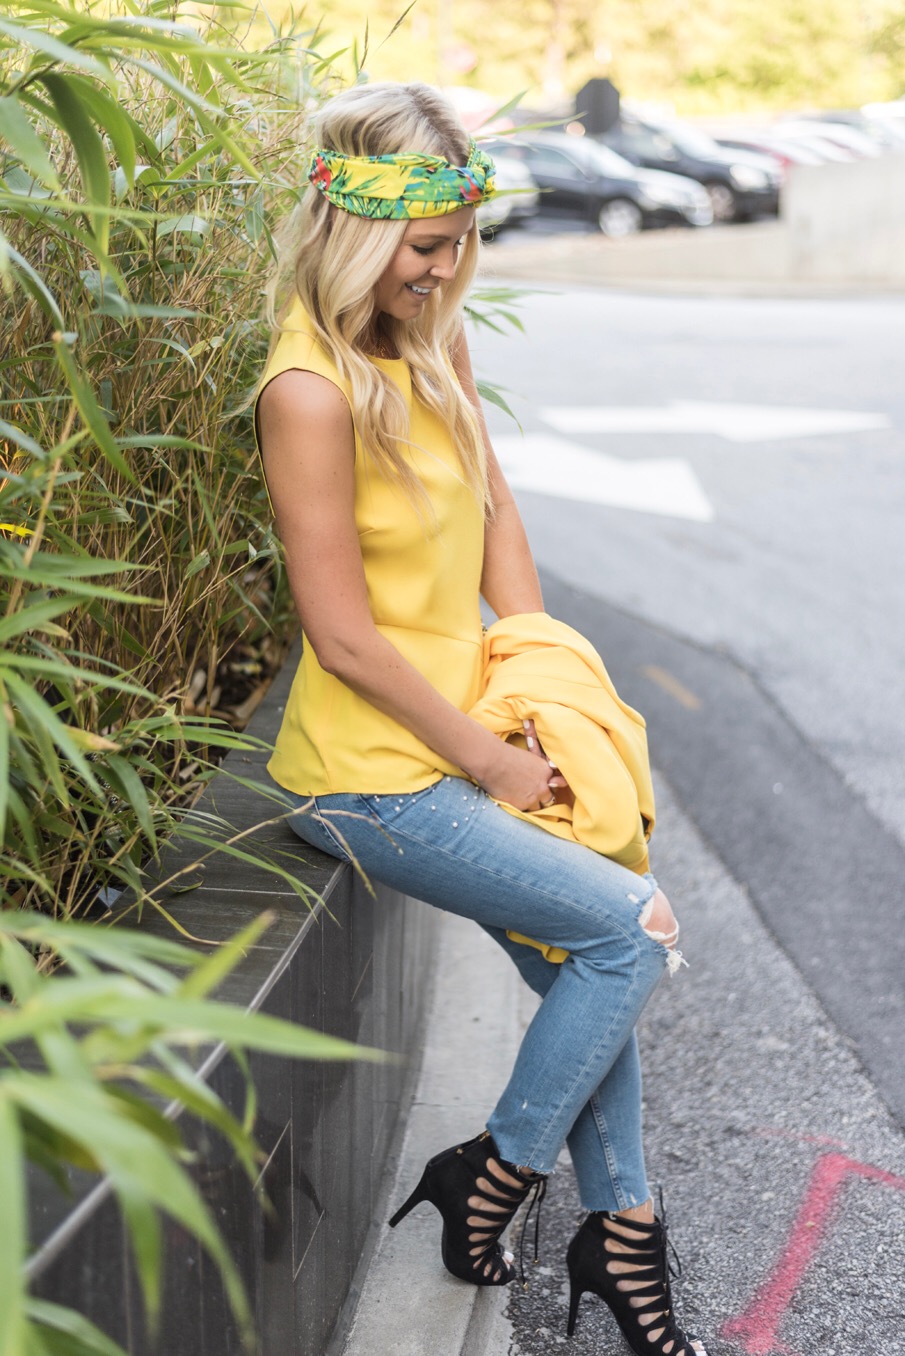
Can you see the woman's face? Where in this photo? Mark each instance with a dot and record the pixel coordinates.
(425, 259)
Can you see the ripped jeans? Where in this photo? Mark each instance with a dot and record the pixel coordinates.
(576, 1077)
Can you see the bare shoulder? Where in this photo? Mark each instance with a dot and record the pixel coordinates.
(305, 402)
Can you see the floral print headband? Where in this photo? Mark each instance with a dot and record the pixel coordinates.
(400, 187)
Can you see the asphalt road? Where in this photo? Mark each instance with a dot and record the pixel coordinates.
(714, 492)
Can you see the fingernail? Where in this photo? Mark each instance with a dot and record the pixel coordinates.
(552, 764)
(526, 724)
(530, 742)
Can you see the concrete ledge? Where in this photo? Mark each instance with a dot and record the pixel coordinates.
(409, 1304)
(353, 965)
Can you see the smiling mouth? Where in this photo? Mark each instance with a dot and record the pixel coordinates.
(419, 291)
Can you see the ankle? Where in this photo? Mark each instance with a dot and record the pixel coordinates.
(644, 1213)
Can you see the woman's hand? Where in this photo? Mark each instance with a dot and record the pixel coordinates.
(562, 790)
(523, 778)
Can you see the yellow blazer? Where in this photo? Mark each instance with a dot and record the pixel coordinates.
(540, 669)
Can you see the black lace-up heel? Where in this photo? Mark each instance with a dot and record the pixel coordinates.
(476, 1204)
(603, 1243)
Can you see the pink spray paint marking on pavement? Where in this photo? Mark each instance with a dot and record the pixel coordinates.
(757, 1327)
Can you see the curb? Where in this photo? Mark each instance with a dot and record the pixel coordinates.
(409, 1304)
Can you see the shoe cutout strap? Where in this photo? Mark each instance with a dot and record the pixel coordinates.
(649, 1290)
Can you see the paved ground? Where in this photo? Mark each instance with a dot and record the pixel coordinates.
(783, 1173)
(765, 643)
(784, 1176)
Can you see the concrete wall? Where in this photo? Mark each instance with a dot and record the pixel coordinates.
(354, 966)
(847, 220)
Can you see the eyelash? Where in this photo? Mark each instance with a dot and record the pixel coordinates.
(429, 249)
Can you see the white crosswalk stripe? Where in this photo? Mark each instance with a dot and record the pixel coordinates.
(737, 423)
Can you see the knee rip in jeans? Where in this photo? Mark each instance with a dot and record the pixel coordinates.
(659, 922)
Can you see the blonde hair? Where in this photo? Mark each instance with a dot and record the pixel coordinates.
(334, 260)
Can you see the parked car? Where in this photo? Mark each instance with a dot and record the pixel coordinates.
(891, 114)
(578, 176)
(519, 196)
(819, 144)
(786, 153)
(888, 134)
(849, 138)
(741, 184)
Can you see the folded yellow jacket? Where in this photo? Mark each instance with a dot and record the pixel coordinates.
(540, 669)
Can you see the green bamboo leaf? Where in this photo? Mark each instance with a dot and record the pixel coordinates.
(195, 1096)
(194, 158)
(133, 951)
(48, 762)
(504, 110)
(89, 409)
(53, 568)
(18, 969)
(89, 149)
(134, 792)
(190, 1020)
(85, 1338)
(146, 1237)
(190, 223)
(14, 1231)
(43, 718)
(15, 807)
(149, 1117)
(141, 1170)
(17, 128)
(15, 435)
(69, 1000)
(201, 562)
(40, 41)
(47, 1151)
(116, 122)
(176, 86)
(494, 395)
(33, 615)
(5, 805)
(230, 145)
(35, 286)
(224, 959)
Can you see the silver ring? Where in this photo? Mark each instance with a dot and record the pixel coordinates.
(545, 804)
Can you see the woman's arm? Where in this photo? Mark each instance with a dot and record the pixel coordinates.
(509, 580)
(308, 450)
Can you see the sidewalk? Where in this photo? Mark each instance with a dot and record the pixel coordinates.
(784, 1173)
(410, 1305)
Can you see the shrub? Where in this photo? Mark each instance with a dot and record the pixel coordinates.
(142, 604)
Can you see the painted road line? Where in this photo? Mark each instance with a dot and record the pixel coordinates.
(553, 466)
(663, 678)
(737, 423)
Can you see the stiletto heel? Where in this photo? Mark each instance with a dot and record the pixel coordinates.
(575, 1294)
(624, 1260)
(477, 1193)
(421, 1193)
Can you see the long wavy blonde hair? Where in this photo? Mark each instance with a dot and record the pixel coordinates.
(333, 261)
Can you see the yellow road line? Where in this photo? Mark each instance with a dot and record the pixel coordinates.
(663, 678)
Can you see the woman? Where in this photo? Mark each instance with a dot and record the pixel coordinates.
(395, 518)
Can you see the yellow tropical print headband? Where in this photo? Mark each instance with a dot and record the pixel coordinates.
(400, 187)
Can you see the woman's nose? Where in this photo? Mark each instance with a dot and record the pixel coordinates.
(445, 266)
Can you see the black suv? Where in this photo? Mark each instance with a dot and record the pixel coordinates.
(741, 184)
(579, 177)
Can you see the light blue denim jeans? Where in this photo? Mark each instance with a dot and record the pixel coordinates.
(577, 1076)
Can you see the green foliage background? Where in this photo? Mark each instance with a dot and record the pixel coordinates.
(141, 594)
(141, 153)
(699, 56)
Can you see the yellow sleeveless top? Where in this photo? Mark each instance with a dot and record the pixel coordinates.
(423, 589)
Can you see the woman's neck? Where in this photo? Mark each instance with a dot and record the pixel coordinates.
(377, 344)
